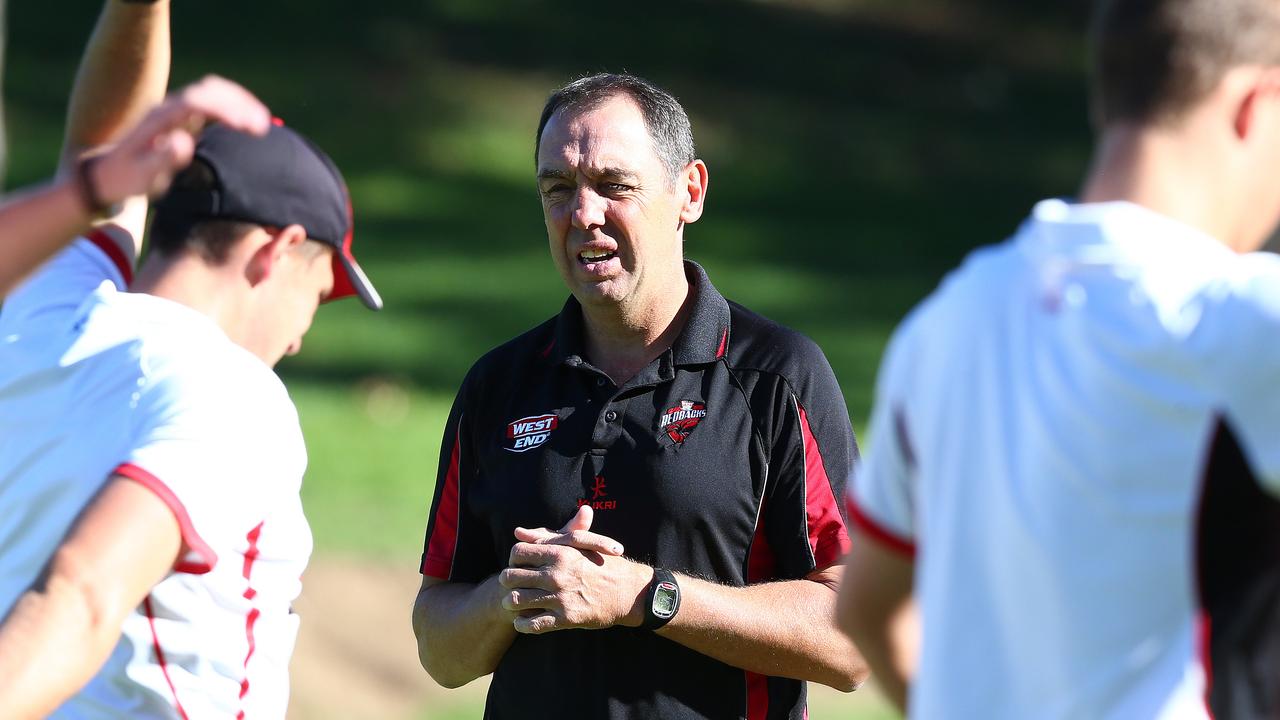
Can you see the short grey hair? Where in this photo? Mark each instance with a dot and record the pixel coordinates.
(664, 117)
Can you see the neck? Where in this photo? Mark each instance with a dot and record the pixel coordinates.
(622, 340)
(1168, 170)
(188, 280)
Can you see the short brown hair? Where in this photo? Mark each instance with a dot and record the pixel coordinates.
(1155, 59)
(211, 239)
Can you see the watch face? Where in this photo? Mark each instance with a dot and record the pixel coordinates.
(664, 600)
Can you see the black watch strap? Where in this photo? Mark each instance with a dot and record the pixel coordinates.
(662, 601)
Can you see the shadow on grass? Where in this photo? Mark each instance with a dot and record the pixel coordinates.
(857, 149)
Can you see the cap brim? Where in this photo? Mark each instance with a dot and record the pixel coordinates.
(349, 279)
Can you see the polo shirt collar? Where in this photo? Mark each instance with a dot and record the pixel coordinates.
(704, 339)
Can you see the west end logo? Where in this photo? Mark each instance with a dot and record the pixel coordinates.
(679, 421)
(528, 433)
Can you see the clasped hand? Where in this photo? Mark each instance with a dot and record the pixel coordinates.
(571, 578)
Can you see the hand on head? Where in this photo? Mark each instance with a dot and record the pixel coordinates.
(145, 160)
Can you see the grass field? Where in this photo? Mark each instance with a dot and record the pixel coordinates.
(857, 148)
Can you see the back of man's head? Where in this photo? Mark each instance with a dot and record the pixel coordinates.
(237, 183)
(1154, 60)
(173, 233)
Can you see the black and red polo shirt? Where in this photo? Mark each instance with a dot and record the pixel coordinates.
(723, 459)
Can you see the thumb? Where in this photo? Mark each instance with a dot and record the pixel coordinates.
(581, 521)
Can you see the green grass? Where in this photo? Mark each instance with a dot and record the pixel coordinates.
(858, 149)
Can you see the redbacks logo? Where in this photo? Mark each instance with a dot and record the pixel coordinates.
(528, 433)
(679, 421)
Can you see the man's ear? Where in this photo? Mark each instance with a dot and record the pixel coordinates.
(270, 256)
(1258, 101)
(693, 182)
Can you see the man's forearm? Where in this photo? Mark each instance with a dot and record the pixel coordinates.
(784, 629)
(877, 609)
(122, 75)
(64, 626)
(887, 638)
(50, 645)
(462, 630)
(37, 223)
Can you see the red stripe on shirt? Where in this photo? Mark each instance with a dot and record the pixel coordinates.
(111, 249)
(757, 696)
(437, 562)
(164, 668)
(724, 341)
(206, 558)
(761, 565)
(877, 531)
(250, 556)
(827, 534)
(1204, 647)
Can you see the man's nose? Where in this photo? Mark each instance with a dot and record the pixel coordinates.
(588, 209)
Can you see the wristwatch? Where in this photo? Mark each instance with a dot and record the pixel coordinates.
(662, 601)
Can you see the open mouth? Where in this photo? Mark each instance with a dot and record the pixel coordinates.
(587, 257)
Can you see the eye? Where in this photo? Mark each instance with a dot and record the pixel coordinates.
(555, 190)
(613, 188)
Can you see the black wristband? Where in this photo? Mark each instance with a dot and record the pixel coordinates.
(662, 601)
(93, 202)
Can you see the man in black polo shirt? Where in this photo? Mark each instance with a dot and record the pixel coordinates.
(689, 451)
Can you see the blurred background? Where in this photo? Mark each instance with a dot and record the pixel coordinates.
(857, 149)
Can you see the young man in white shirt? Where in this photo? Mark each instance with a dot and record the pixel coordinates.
(1060, 427)
(150, 460)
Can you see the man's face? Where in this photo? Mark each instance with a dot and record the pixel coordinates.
(304, 280)
(612, 213)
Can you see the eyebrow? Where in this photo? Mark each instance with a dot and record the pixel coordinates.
(607, 173)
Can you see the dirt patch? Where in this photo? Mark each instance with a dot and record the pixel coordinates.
(356, 656)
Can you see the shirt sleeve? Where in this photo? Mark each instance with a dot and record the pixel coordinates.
(813, 448)
(62, 283)
(457, 547)
(880, 498)
(1246, 353)
(219, 468)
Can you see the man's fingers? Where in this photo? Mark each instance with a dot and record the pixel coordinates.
(533, 554)
(537, 624)
(580, 539)
(580, 521)
(534, 535)
(220, 99)
(191, 108)
(530, 599)
(513, 578)
(585, 540)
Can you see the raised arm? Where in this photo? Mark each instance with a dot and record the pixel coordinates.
(122, 75)
(35, 223)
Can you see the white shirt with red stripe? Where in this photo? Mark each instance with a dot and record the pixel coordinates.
(94, 382)
(1040, 428)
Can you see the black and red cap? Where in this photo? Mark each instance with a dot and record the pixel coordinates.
(277, 180)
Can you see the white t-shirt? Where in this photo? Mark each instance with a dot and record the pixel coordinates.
(1041, 425)
(95, 381)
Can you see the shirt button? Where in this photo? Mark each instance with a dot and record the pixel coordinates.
(610, 416)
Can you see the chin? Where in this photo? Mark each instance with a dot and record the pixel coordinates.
(599, 293)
